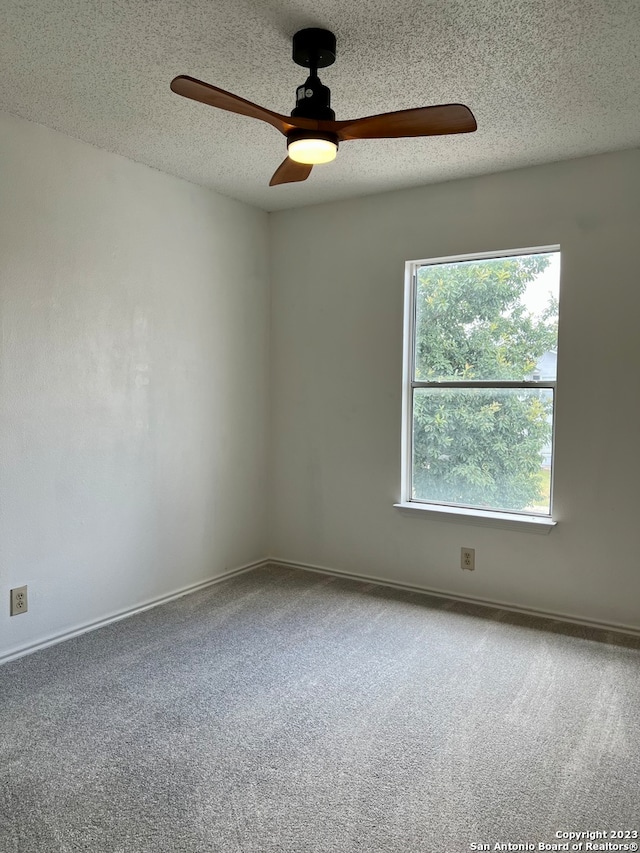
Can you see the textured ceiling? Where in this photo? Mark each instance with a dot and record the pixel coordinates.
(546, 79)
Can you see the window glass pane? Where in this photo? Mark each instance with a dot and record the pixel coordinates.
(494, 319)
(486, 448)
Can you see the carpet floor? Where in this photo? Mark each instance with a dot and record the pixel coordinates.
(290, 711)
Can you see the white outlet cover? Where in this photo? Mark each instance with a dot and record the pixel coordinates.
(468, 559)
(19, 601)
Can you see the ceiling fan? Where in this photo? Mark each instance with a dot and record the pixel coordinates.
(312, 133)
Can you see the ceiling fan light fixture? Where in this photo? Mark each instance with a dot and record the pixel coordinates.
(312, 149)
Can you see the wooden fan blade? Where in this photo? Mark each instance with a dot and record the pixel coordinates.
(289, 171)
(424, 121)
(189, 87)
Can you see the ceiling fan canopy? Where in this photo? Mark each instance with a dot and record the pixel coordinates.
(313, 135)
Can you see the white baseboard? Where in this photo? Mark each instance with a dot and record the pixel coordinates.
(130, 611)
(618, 627)
(308, 567)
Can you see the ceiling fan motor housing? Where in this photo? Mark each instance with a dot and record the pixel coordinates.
(313, 100)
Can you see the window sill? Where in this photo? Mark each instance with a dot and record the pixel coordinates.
(462, 515)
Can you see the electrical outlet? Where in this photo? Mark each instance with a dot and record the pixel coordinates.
(18, 600)
(468, 558)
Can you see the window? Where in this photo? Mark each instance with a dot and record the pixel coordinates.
(481, 339)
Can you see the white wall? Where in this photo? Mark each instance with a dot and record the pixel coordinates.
(337, 295)
(134, 310)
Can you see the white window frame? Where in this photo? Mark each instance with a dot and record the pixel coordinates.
(533, 523)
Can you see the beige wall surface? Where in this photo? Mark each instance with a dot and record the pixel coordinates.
(133, 372)
(336, 324)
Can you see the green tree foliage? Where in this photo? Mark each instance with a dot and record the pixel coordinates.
(480, 446)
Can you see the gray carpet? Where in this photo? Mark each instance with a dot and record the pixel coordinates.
(288, 711)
